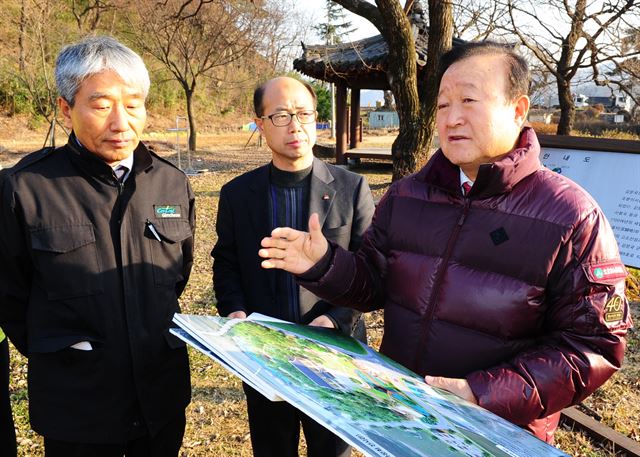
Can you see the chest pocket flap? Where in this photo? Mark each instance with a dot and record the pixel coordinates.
(172, 230)
(66, 258)
(62, 239)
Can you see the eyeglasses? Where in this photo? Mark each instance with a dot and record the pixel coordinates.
(283, 119)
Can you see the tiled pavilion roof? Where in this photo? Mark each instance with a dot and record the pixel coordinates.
(361, 64)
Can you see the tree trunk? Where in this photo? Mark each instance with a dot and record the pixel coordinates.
(415, 110)
(410, 149)
(21, 36)
(440, 40)
(402, 77)
(192, 121)
(567, 108)
(388, 100)
(415, 100)
(566, 70)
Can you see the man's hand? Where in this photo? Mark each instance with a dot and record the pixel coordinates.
(237, 315)
(322, 321)
(460, 387)
(293, 250)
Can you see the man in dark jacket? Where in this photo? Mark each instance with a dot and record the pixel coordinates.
(286, 191)
(500, 280)
(7, 430)
(96, 246)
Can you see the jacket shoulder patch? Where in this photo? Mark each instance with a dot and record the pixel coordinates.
(605, 272)
(614, 309)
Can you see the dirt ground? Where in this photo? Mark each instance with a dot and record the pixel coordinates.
(217, 416)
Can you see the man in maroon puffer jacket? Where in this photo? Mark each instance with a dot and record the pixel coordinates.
(500, 280)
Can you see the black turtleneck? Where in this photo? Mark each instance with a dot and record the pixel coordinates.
(289, 208)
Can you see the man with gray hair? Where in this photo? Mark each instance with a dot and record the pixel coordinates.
(96, 245)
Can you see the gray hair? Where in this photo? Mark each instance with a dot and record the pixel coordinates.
(96, 54)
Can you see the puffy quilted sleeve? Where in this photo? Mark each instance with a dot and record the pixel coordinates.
(584, 332)
(355, 280)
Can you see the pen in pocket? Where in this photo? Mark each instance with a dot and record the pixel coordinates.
(153, 230)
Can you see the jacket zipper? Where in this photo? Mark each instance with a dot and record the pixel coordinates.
(435, 292)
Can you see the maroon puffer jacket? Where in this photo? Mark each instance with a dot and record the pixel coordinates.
(518, 287)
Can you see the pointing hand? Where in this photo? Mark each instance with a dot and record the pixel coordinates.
(293, 250)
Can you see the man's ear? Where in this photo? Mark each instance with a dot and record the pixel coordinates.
(65, 110)
(521, 109)
(259, 123)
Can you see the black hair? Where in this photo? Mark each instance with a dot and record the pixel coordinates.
(518, 70)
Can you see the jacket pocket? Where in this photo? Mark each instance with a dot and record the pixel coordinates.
(165, 237)
(340, 235)
(66, 258)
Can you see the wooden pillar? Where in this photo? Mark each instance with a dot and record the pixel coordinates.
(354, 138)
(341, 122)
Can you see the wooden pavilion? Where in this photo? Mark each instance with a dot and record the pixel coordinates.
(354, 66)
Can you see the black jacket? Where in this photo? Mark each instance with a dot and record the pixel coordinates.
(79, 262)
(344, 203)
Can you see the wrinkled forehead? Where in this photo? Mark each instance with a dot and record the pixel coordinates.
(108, 82)
(476, 73)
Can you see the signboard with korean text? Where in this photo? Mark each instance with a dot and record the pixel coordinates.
(612, 178)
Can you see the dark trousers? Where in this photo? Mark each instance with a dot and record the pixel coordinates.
(7, 432)
(165, 444)
(275, 430)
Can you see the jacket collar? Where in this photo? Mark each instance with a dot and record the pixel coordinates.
(321, 192)
(96, 167)
(319, 173)
(493, 178)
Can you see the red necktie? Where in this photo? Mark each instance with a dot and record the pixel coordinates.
(466, 187)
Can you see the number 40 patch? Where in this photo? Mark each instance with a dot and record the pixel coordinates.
(614, 309)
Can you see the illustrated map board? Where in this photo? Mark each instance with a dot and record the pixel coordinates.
(373, 403)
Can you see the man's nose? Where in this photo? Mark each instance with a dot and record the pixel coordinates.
(454, 116)
(295, 125)
(119, 118)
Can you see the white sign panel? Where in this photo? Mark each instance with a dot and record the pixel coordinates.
(613, 179)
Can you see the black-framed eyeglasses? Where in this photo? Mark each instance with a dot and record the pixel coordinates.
(283, 119)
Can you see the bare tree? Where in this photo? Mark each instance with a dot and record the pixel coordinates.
(37, 47)
(415, 97)
(624, 75)
(89, 14)
(41, 28)
(569, 37)
(194, 38)
(22, 30)
(283, 28)
(476, 20)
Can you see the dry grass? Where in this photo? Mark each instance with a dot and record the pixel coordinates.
(217, 423)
